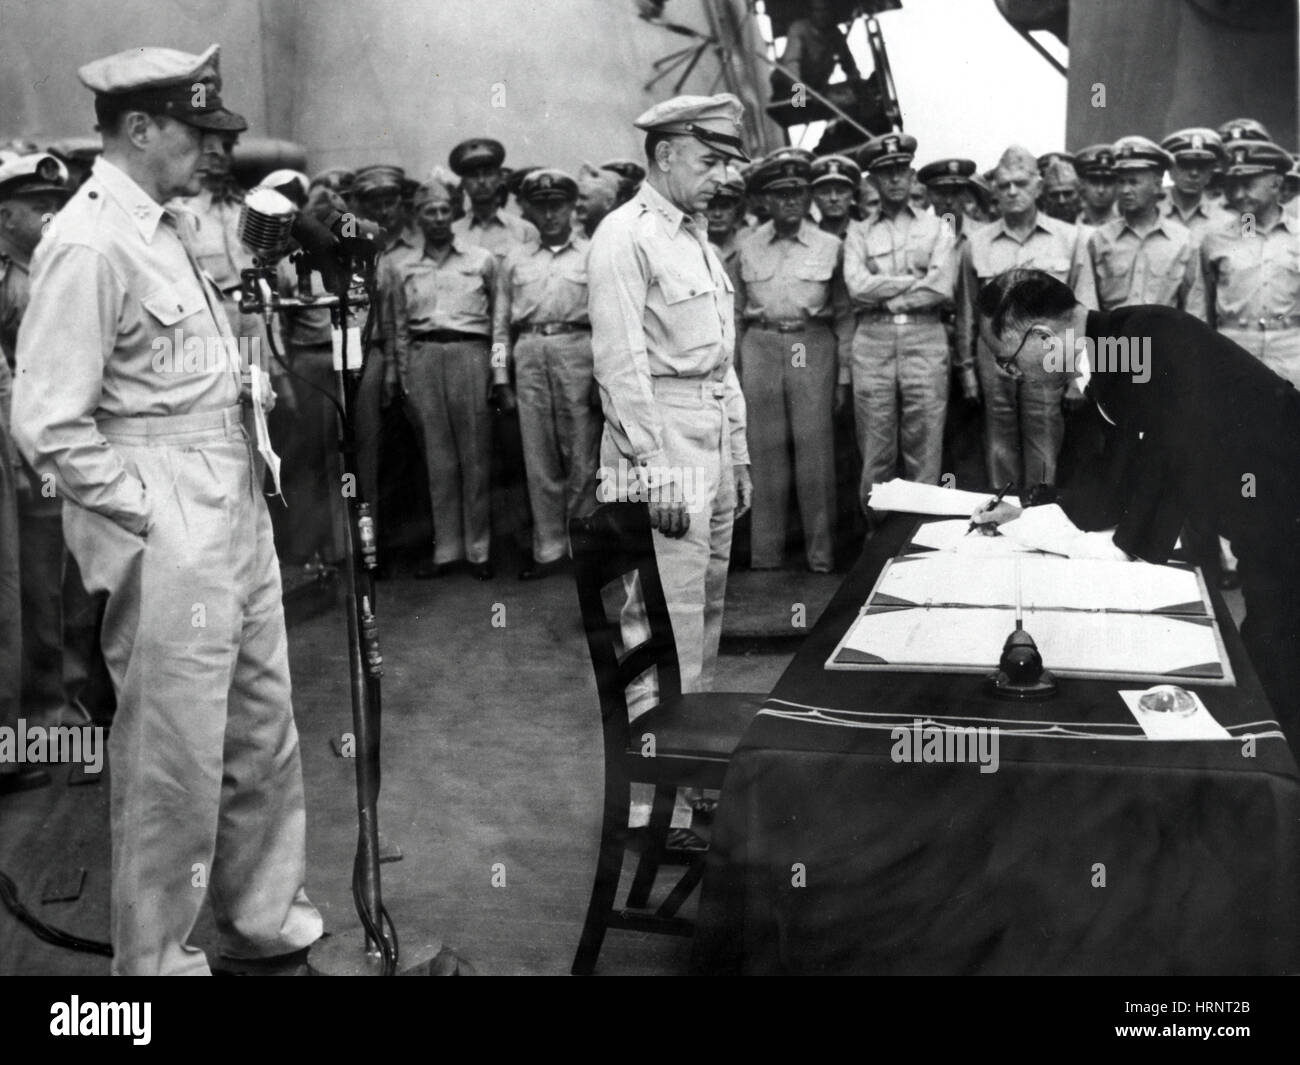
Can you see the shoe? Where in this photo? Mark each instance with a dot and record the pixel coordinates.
(1229, 580)
(683, 839)
(482, 571)
(292, 964)
(431, 572)
(28, 779)
(535, 571)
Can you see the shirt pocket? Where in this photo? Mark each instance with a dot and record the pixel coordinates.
(169, 306)
(1059, 268)
(466, 291)
(690, 311)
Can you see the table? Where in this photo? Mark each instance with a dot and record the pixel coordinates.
(1098, 852)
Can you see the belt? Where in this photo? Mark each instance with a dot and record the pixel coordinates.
(902, 319)
(156, 426)
(788, 325)
(702, 387)
(447, 336)
(550, 329)
(1275, 321)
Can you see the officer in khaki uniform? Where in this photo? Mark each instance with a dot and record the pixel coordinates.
(541, 296)
(1248, 286)
(835, 181)
(899, 270)
(663, 336)
(164, 514)
(1195, 153)
(1143, 256)
(1096, 168)
(439, 329)
(725, 216)
(796, 332)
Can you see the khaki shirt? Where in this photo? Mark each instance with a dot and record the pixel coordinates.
(795, 279)
(498, 234)
(1052, 245)
(113, 290)
(1157, 266)
(661, 305)
(538, 285)
(1245, 278)
(429, 293)
(905, 262)
(1200, 218)
(15, 291)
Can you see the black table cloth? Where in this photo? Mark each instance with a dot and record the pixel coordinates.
(1091, 849)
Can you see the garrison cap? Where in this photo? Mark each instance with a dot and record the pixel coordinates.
(433, 189)
(1198, 144)
(1244, 129)
(947, 172)
(164, 81)
(714, 121)
(28, 174)
(381, 177)
(338, 179)
(836, 168)
(1048, 158)
(781, 170)
(593, 178)
(627, 169)
(888, 149)
(1249, 157)
(545, 183)
(1140, 153)
(477, 153)
(1096, 160)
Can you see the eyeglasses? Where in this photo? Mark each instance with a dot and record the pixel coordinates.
(1008, 365)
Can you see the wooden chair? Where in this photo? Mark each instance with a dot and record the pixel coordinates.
(693, 734)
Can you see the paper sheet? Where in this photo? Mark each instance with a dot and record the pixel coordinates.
(951, 536)
(910, 497)
(1199, 725)
(259, 385)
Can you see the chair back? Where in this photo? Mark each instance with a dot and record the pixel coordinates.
(613, 557)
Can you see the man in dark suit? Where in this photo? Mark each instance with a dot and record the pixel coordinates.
(1202, 431)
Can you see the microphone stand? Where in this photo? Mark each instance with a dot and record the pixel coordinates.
(372, 948)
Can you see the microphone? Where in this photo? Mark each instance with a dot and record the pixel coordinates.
(266, 223)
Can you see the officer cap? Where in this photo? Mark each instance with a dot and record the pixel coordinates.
(1097, 160)
(1048, 158)
(836, 168)
(291, 183)
(1196, 145)
(732, 190)
(338, 179)
(1244, 129)
(380, 177)
(627, 169)
(29, 174)
(545, 183)
(888, 149)
(1140, 153)
(781, 171)
(514, 178)
(163, 81)
(714, 121)
(1249, 157)
(477, 153)
(947, 172)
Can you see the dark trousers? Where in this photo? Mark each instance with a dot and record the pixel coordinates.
(1271, 632)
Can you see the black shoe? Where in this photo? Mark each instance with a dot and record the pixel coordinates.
(437, 569)
(535, 571)
(482, 571)
(1229, 580)
(292, 964)
(28, 779)
(684, 840)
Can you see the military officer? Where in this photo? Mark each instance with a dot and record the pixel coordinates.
(1060, 190)
(796, 331)
(1248, 286)
(1244, 129)
(1096, 167)
(725, 217)
(1195, 153)
(1142, 256)
(948, 183)
(477, 162)
(900, 273)
(439, 328)
(835, 181)
(631, 174)
(162, 512)
(541, 296)
(598, 194)
(663, 335)
(1023, 423)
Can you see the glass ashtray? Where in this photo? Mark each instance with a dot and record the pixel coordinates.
(1168, 699)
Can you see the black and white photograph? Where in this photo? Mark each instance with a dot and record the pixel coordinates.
(651, 488)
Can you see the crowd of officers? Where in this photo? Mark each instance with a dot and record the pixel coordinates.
(855, 283)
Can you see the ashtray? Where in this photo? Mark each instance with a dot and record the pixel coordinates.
(1168, 699)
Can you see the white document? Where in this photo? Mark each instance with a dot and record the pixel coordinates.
(913, 498)
(1154, 645)
(259, 385)
(955, 537)
(1198, 725)
(965, 639)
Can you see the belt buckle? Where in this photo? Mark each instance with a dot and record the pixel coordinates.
(898, 319)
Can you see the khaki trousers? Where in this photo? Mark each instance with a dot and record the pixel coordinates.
(207, 795)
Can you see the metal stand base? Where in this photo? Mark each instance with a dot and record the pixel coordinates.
(345, 954)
